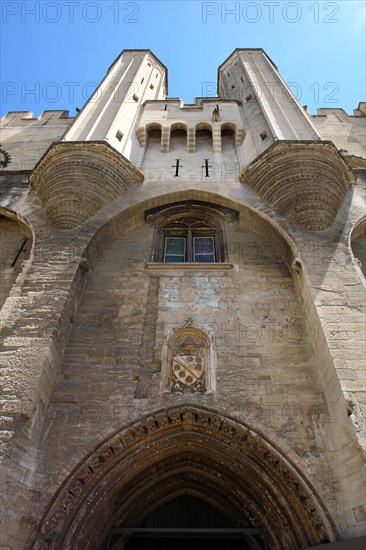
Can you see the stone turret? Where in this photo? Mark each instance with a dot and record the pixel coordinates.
(270, 110)
(111, 112)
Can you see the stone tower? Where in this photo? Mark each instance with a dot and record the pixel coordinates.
(183, 329)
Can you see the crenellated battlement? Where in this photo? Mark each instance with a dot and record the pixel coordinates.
(359, 112)
(346, 131)
(24, 118)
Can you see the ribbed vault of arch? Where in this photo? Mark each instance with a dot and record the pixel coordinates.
(185, 450)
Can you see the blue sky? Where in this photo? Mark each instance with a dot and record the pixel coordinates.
(54, 52)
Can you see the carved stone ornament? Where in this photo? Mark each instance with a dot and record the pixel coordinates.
(216, 114)
(186, 358)
(5, 158)
(126, 476)
(188, 372)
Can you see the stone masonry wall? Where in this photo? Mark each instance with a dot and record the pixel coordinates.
(266, 369)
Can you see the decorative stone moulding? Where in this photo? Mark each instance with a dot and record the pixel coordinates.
(142, 134)
(191, 448)
(74, 180)
(305, 180)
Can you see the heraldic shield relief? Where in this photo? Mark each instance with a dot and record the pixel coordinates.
(188, 361)
(188, 371)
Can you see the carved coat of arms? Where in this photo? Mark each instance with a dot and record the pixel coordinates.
(188, 369)
(188, 361)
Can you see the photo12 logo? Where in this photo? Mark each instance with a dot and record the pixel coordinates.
(70, 12)
(272, 92)
(269, 12)
(53, 92)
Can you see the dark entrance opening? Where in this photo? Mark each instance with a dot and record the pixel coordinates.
(188, 523)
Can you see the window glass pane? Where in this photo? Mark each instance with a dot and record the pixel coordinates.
(175, 245)
(204, 249)
(175, 249)
(204, 258)
(203, 245)
(174, 259)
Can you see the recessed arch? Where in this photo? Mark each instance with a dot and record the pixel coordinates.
(178, 137)
(178, 126)
(228, 126)
(204, 126)
(120, 215)
(187, 449)
(153, 135)
(17, 243)
(358, 243)
(228, 136)
(204, 137)
(174, 220)
(153, 127)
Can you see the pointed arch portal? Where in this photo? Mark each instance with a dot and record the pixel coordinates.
(231, 474)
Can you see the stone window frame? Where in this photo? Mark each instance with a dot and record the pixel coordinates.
(187, 229)
(212, 220)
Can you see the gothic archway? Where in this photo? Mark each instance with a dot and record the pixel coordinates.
(17, 241)
(185, 450)
(357, 243)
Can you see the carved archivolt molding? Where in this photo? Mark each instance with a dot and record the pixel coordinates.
(187, 449)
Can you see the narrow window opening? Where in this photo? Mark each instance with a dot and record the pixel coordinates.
(119, 135)
(142, 80)
(151, 87)
(263, 135)
(248, 97)
(232, 86)
(241, 78)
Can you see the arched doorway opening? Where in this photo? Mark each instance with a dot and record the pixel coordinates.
(185, 451)
(187, 521)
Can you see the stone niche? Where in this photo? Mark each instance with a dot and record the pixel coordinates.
(74, 180)
(306, 181)
(188, 362)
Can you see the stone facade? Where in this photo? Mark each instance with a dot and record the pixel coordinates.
(183, 292)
